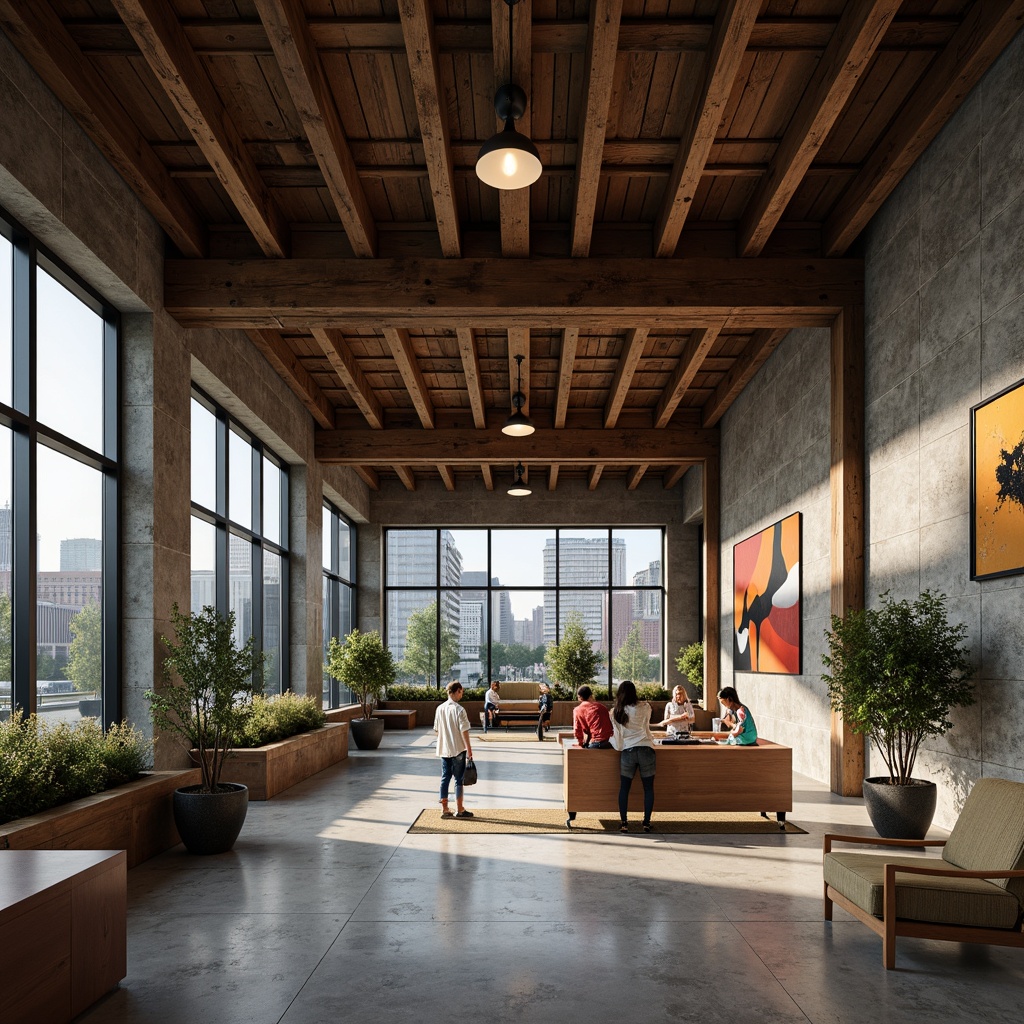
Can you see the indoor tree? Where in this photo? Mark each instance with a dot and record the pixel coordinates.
(690, 663)
(421, 645)
(633, 660)
(573, 661)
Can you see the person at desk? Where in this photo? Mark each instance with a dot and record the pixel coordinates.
(744, 730)
(545, 705)
(492, 706)
(679, 716)
(631, 720)
(591, 723)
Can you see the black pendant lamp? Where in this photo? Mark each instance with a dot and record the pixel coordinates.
(518, 424)
(519, 488)
(509, 160)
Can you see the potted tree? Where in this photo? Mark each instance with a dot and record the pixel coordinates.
(895, 673)
(364, 665)
(208, 710)
(690, 663)
(574, 661)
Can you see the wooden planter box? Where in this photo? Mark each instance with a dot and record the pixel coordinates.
(136, 817)
(269, 770)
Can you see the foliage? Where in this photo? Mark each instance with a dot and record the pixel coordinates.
(276, 718)
(364, 665)
(6, 647)
(208, 710)
(652, 691)
(398, 692)
(421, 644)
(896, 672)
(44, 765)
(85, 660)
(633, 661)
(691, 664)
(574, 661)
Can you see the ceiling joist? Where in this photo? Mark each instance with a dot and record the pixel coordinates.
(287, 365)
(334, 347)
(405, 359)
(471, 371)
(761, 345)
(566, 361)
(698, 346)
(632, 350)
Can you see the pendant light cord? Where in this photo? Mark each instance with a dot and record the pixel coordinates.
(510, 3)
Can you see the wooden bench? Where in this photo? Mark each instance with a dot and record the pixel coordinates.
(396, 718)
(516, 712)
(63, 928)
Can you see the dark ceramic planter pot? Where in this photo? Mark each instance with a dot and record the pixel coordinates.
(900, 812)
(91, 707)
(210, 822)
(367, 732)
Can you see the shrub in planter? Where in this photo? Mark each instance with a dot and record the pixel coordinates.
(691, 664)
(276, 718)
(574, 661)
(651, 691)
(367, 668)
(398, 692)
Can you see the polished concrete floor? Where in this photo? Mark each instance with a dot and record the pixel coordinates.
(327, 911)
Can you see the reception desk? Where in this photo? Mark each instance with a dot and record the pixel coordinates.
(704, 777)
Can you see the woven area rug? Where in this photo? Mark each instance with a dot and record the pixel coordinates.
(520, 735)
(516, 820)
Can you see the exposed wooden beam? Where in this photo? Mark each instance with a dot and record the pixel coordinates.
(461, 447)
(299, 63)
(594, 476)
(697, 347)
(733, 25)
(632, 350)
(519, 345)
(405, 359)
(422, 52)
(514, 205)
(369, 476)
(471, 371)
(856, 38)
(566, 361)
(448, 476)
(487, 473)
(986, 30)
(406, 475)
(698, 292)
(289, 367)
(635, 475)
(761, 345)
(674, 475)
(602, 46)
(458, 418)
(43, 40)
(155, 27)
(333, 345)
(553, 477)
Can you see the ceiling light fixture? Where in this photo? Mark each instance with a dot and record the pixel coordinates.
(519, 489)
(518, 424)
(509, 160)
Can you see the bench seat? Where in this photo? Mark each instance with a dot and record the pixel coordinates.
(396, 718)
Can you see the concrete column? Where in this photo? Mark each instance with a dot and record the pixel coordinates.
(305, 559)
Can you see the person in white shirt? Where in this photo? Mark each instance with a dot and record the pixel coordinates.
(679, 716)
(451, 723)
(631, 724)
(492, 706)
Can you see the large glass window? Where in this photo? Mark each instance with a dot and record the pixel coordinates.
(58, 489)
(240, 534)
(339, 592)
(485, 604)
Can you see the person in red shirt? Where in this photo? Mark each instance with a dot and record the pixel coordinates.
(591, 723)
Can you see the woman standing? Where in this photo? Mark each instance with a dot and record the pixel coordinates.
(631, 722)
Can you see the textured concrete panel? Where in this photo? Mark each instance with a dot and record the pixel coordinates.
(892, 425)
(951, 149)
(945, 477)
(895, 500)
(951, 301)
(1003, 639)
(894, 271)
(1002, 156)
(951, 216)
(1002, 256)
(1002, 348)
(945, 557)
(950, 385)
(1002, 702)
(895, 350)
(1002, 85)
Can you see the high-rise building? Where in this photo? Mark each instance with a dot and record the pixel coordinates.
(81, 554)
(582, 562)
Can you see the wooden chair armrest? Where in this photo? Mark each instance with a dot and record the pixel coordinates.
(831, 837)
(925, 869)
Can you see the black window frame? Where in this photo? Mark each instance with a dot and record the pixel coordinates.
(339, 578)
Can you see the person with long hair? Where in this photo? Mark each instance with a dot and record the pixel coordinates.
(631, 722)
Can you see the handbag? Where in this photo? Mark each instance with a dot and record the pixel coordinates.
(470, 776)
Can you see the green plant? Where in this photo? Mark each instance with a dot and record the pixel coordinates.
(895, 673)
(364, 665)
(276, 718)
(691, 664)
(633, 660)
(413, 691)
(421, 645)
(651, 691)
(209, 707)
(85, 656)
(125, 752)
(574, 661)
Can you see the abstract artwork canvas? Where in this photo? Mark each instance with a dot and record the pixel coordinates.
(766, 593)
(997, 485)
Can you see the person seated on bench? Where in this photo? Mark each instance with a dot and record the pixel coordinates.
(591, 723)
(545, 705)
(679, 717)
(492, 706)
(744, 732)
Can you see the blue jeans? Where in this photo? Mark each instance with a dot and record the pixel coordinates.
(452, 767)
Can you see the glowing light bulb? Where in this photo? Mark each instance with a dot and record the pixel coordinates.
(509, 165)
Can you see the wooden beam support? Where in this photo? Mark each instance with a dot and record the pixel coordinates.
(37, 31)
(406, 475)
(697, 347)
(431, 108)
(635, 475)
(369, 476)
(448, 476)
(289, 367)
(602, 47)
(488, 474)
(674, 475)
(566, 361)
(733, 25)
(519, 345)
(553, 477)
(632, 350)
(289, 35)
(594, 476)
(333, 345)
(159, 35)
(846, 484)
(712, 530)
(405, 359)
(471, 371)
(986, 30)
(748, 362)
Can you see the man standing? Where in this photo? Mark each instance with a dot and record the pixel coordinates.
(451, 723)
(591, 723)
(492, 706)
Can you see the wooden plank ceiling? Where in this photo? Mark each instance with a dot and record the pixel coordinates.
(708, 168)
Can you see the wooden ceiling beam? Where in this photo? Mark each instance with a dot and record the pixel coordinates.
(632, 350)
(405, 359)
(369, 477)
(333, 345)
(674, 475)
(407, 476)
(461, 447)
(566, 361)
(488, 474)
(422, 52)
(471, 370)
(986, 30)
(45, 43)
(519, 345)
(163, 43)
(698, 345)
(299, 62)
(761, 345)
(733, 25)
(856, 38)
(594, 476)
(635, 475)
(602, 47)
(289, 367)
(553, 477)
(448, 476)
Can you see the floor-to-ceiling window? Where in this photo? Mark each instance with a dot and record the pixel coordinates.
(339, 592)
(58, 488)
(478, 604)
(240, 533)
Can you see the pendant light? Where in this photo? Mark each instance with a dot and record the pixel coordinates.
(518, 424)
(509, 160)
(519, 488)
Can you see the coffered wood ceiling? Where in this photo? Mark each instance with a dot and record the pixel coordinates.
(708, 168)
